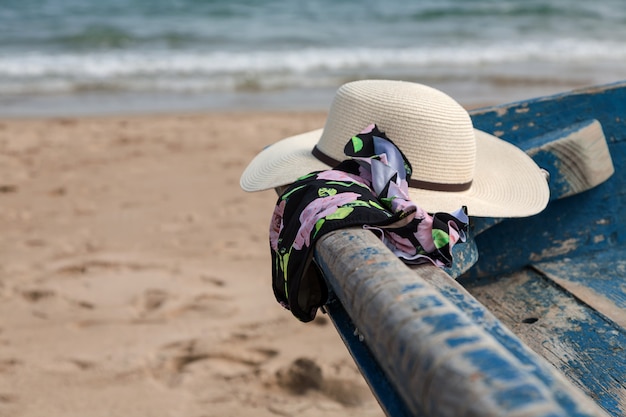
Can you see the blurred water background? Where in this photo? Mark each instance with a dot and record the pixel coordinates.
(114, 56)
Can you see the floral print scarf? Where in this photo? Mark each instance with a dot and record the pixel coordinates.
(369, 190)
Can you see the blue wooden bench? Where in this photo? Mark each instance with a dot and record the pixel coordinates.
(534, 326)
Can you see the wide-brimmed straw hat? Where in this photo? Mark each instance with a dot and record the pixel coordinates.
(453, 164)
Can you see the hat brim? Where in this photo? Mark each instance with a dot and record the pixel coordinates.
(507, 182)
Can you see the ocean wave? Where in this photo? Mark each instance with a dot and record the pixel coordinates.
(197, 70)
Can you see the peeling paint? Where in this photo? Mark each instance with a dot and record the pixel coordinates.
(573, 337)
(574, 314)
(560, 247)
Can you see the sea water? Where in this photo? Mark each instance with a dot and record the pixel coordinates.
(94, 56)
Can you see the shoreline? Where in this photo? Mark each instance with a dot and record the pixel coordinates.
(471, 94)
(122, 104)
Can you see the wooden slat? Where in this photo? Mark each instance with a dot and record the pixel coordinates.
(577, 157)
(575, 338)
(598, 280)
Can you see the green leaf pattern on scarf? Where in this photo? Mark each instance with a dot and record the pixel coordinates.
(357, 143)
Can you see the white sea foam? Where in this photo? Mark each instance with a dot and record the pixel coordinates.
(204, 70)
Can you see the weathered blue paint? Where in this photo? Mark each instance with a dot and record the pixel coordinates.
(604, 272)
(546, 296)
(583, 344)
(485, 358)
(592, 220)
(577, 159)
(462, 340)
(414, 333)
(480, 315)
(465, 256)
(384, 392)
(576, 245)
(512, 398)
(551, 136)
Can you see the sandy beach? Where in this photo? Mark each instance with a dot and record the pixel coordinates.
(135, 275)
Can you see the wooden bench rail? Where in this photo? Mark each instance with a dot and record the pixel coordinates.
(436, 350)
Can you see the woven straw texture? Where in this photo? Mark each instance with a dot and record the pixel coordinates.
(436, 135)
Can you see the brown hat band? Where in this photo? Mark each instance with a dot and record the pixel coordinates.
(424, 185)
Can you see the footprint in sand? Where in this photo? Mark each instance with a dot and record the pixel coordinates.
(304, 375)
(156, 303)
(208, 304)
(218, 282)
(8, 188)
(35, 295)
(7, 365)
(38, 295)
(172, 361)
(150, 301)
(300, 376)
(8, 404)
(7, 400)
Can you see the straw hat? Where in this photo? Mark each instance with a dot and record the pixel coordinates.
(453, 164)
